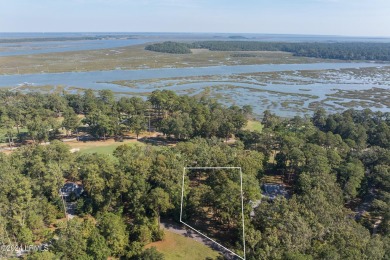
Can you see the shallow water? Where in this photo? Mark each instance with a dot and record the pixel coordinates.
(289, 95)
(29, 48)
(95, 79)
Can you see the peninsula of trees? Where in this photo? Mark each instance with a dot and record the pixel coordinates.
(336, 50)
(169, 47)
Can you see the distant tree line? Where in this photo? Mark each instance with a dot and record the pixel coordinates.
(340, 51)
(169, 47)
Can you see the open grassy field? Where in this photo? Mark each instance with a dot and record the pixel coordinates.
(100, 147)
(177, 247)
(254, 125)
(136, 57)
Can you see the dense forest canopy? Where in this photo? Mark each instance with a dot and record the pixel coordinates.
(169, 47)
(334, 50)
(182, 117)
(335, 166)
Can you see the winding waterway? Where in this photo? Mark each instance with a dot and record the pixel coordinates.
(97, 79)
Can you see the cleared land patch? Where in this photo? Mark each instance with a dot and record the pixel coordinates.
(253, 125)
(177, 247)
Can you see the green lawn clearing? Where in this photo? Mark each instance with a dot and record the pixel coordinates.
(177, 247)
(253, 125)
(101, 147)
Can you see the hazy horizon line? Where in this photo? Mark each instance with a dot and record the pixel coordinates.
(180, 32)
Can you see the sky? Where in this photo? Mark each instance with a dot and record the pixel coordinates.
(316, 17)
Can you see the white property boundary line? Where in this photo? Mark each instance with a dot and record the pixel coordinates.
(242, 207)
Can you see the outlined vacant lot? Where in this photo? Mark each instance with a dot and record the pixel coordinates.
(212, 205)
